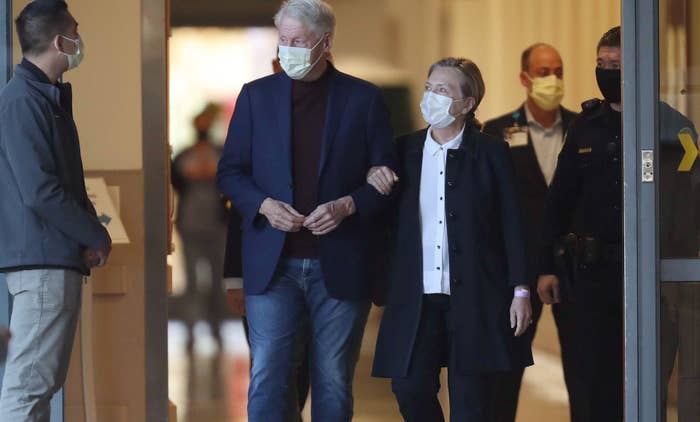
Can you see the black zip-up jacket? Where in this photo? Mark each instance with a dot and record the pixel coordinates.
(46, 218)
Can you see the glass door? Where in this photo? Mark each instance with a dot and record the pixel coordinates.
(679, 209)
(661, 90)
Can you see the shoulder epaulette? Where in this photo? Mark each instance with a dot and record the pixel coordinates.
(590, 105)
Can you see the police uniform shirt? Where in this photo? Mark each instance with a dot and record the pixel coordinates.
(547, 143)
(436, 260)
(586, 193)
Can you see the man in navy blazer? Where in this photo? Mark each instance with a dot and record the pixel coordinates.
(299, 147)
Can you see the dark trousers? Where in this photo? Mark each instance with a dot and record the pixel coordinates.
(600, 359)
(507, 386)
(470, 395)
(204, 257)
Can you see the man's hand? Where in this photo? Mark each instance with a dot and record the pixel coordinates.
(382, 179)
(103, 254)
(281, 216)
(97, 258)
(90, 258)
(548, 289)
(236, 301)
(520, 313)
(327, 217)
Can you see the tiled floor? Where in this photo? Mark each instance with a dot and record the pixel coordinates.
(211, 386)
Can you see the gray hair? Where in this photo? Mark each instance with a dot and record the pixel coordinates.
(316, 14)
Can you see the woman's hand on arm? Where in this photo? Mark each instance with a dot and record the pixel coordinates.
(382, 179)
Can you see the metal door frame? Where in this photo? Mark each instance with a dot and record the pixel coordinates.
(640, 54)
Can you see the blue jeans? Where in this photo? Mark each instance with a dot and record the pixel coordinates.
(297, 297)
(45, 312)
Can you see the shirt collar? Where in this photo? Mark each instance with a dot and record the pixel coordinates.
(532, 122)
(432, 147)
(35, 71)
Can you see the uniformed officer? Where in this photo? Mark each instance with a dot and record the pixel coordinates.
(586, 199)
(535, 133)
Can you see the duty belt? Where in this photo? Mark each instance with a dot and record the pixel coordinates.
(591, 251)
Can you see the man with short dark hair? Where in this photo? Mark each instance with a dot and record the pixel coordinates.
(55, 236)
(535, 133)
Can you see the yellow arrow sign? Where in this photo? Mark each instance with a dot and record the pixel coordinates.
(691, 150)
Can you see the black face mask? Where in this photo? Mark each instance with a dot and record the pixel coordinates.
(610, 84)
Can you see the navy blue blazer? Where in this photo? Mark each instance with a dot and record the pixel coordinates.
(532, 186)
(257, 164)
(486, 252)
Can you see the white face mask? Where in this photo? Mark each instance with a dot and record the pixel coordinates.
(76, 58)
(547, 91)
(296, 61)
(436, 109)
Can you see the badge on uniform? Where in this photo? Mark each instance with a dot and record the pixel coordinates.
(516, 136)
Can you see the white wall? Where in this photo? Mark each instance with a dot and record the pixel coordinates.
(412, 34)
(494, 32)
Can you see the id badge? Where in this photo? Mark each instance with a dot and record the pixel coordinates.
(516, 136)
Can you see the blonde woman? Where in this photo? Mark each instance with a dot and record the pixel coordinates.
(458, 294)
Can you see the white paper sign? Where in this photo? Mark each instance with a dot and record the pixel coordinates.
(106, 211)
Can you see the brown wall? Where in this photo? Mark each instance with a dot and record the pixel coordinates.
(118, 329)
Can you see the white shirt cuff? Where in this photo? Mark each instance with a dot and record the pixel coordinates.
(233, 283)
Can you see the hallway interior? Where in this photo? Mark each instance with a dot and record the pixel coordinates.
(211, 386)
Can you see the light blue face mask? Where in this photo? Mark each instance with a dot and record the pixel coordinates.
(76, 58)
(296, 61)
(436, 109)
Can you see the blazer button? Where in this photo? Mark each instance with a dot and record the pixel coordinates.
(455, 282)
(452, 214)
(450, 184)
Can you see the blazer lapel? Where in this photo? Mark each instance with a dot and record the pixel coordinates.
(532, 155)
(412, 168)
(337, 101)
(414, 160)
(461, 171)
(283, 108)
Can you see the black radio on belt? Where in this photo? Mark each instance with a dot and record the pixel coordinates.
(566, 263)
(591, 251)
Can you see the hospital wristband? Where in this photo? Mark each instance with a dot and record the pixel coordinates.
(524, 293)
